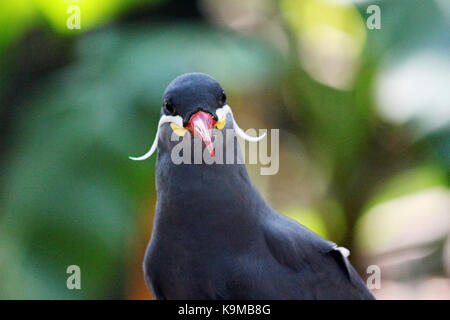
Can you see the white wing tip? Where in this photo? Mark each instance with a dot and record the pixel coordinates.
(344, 251)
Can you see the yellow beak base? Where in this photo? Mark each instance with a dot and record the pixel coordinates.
(220, 124)
(179, 131)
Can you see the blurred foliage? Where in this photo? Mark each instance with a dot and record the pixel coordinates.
(70, 167)
(308, 218)
(69, 194)
(408, 182)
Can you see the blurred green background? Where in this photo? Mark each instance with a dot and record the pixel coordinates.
(364, 118)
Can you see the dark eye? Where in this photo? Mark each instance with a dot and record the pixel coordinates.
(223, 98)
(169, 107)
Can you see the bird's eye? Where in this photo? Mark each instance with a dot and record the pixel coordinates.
(223, 98)
(169, 107)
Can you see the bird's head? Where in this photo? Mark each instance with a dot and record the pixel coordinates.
(195, 103)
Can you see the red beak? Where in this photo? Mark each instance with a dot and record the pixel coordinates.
(200, 125)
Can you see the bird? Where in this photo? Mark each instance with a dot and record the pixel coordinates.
(214, 237)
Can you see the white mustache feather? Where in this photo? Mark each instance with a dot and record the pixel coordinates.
(221, 113)
(164, 119)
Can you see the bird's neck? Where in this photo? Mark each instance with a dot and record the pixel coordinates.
(205, 199)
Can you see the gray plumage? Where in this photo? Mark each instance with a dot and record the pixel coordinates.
(214, 237)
